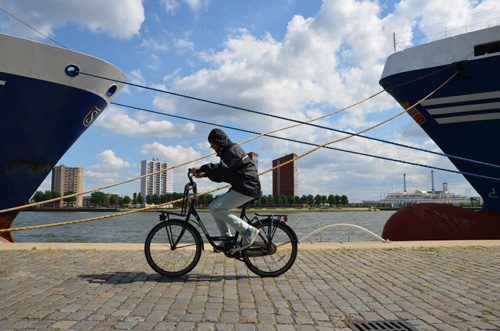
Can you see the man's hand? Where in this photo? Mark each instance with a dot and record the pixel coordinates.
(196, 172)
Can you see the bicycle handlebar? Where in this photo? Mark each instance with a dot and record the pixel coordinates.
(189, 186)
(190, 176)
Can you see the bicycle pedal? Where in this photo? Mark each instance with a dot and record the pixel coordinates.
(217, 250)
(236, 250)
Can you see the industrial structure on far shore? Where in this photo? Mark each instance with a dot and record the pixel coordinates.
(401, 199)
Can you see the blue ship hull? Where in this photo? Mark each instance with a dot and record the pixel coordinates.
(37, 128)
(463, 119)
(44, 111)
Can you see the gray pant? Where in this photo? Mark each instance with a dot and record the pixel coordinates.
(220, 211)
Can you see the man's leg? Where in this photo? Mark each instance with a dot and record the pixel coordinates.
(220, 211)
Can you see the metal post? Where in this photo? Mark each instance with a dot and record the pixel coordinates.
(404, 182)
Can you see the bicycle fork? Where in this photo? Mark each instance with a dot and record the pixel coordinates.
(172, 241)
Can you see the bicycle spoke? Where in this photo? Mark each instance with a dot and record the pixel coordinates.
(173, 248)
(168, 230)
(274, 252)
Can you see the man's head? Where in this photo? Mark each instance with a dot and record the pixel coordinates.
(218, 138)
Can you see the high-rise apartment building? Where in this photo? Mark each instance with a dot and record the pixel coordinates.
(66, 179)
(286, 178)
(255, 158)
(160, 183)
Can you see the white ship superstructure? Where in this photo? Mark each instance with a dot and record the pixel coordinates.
(402, 199)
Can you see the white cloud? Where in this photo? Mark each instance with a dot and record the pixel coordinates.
(107, 170)
(118, 121)
(171, 5)
(184, 45)
(137, 78)
(120, 19)
(175, 155)
(155, 62)
(327, 60)
(195, 5)
(152, 44)
(322, 63)
(437, 19)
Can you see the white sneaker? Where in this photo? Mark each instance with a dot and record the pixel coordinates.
(249, 237)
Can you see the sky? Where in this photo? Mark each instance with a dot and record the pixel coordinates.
(290, 58)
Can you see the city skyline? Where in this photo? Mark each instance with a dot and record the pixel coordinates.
(162, 182)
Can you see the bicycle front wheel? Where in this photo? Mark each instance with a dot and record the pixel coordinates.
(173, 248)
(274, 250)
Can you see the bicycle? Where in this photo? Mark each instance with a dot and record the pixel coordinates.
(173, 247)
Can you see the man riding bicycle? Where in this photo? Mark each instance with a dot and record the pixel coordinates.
(235, 168)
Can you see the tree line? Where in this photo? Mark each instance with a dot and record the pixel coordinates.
(97, 199)
(266, 200)
(100, 199)
(40, 196)
(309, 200)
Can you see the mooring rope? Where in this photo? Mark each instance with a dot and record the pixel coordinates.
(101, 188)
(373, 127)
(298, 122)
(313, 144)
(185, 163)
(366, 137)
(225, 186)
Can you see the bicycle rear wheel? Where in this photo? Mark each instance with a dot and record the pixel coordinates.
(274, 250)
(173, 248)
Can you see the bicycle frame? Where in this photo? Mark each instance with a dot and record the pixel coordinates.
(188, 209)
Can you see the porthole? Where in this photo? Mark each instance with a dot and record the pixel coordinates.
(111, 90)
(72, 70)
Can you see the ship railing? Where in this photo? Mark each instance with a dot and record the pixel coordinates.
(352, 226)
(442, 33)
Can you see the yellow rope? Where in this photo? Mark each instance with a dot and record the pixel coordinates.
(315, 119)
(363, 131)
(179, 165)
(101, 188)
(225, 186)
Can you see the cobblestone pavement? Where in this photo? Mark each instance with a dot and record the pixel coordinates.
(431, 288)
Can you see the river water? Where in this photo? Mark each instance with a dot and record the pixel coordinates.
(133, 228)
